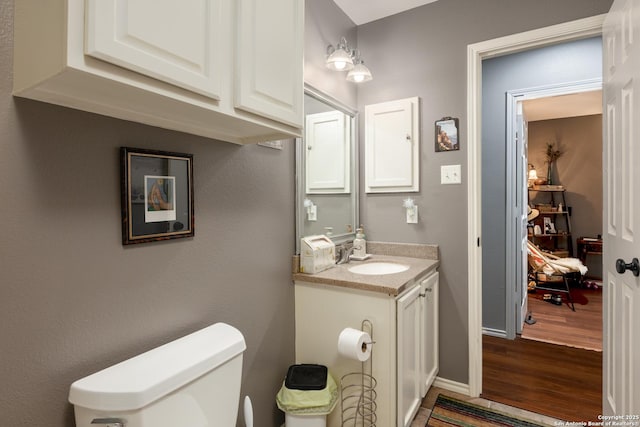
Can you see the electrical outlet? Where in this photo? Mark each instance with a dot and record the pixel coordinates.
(312, 213)
(450, 174)
(412, 215)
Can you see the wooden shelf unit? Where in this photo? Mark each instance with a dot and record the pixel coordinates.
(560, 241)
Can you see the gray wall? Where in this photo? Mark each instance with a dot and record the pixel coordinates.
(73, 300)
(324, 24)
(579, 170)
(422, 52)
(575, 61)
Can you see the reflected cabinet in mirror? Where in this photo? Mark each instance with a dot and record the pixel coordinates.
(326, 163)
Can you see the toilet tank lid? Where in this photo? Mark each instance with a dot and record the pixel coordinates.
(137, 382)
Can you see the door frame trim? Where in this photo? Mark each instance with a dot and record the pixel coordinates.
(574, 30)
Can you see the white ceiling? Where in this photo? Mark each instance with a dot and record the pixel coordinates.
(557, 107)
(363, 11)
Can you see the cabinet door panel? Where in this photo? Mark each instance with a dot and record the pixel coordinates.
(269, 59)
(392, 146)
(429, 359)
(327, 153)
(180, 45)
(408, 336)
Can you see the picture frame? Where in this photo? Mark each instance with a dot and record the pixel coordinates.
(156, 195)
(447, 137)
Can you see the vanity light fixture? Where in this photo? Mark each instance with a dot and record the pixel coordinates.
(339, 57)
(360, 73)
(344, 58)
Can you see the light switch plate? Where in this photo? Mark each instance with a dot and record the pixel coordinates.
(450, 174)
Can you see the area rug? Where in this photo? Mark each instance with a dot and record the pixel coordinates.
(449, 412)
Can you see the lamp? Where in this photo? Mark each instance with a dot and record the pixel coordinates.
(339, 58)
(360, 73)
(344, 58)
(532, 176)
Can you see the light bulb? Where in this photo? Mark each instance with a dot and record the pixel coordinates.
(339, 65)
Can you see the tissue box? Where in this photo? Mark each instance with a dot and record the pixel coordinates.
(317, 253)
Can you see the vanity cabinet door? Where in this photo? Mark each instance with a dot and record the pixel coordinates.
(429, 350)
(176, 42)
(270, 37)
(392, 146)
(408, 363)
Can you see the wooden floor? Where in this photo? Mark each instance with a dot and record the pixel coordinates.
(557, 381)
(558, 324)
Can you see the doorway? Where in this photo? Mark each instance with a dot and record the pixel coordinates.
(567, 119)
(571, 123)
(575, 30)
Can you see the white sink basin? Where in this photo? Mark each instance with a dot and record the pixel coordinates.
(378, 268)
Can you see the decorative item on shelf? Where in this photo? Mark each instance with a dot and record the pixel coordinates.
(552, 154)
(342, 57)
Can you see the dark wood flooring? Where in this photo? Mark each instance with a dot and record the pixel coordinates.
(553, 380)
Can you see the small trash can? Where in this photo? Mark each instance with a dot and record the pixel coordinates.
(307, 396)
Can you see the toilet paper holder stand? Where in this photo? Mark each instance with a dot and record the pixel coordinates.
(358, 404)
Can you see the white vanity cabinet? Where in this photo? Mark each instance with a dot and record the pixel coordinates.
(405, 334)
(417, 330)
(224, 69)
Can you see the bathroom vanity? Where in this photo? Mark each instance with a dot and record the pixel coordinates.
(403, 308)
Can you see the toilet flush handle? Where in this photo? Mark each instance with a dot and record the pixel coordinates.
(109, 422)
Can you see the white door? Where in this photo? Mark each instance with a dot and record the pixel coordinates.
(392, 146)
(522, 196)
(621, 160)
(327, 149)
(181, 45)
(408, 363)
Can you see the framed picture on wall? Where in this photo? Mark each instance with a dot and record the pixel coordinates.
(447, 134)
(156, 195)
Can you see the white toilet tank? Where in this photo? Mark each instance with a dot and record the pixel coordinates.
(193, 381)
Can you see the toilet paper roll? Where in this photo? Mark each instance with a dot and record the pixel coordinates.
(354, 344)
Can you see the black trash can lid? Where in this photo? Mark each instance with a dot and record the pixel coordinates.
(306, 377)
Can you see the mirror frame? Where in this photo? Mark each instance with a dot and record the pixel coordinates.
(300, 187)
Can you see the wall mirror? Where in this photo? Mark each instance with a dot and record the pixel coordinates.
(326, 169)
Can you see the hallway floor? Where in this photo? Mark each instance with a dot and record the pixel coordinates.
(558, 381)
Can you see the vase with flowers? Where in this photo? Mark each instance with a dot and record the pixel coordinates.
(552, 153)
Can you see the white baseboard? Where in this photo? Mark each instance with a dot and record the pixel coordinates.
(452, 386)
(494, 332)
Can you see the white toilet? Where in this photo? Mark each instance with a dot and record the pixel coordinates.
(193, 381)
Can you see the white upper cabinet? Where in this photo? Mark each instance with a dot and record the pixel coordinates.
(392, 146)
(224, 69)
(270, 58)
(120, 32)
(327, 159)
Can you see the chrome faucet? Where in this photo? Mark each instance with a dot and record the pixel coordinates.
(344, 254)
